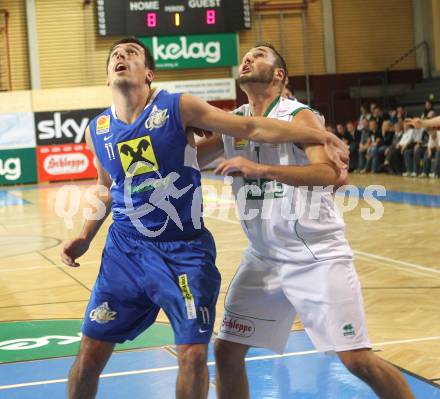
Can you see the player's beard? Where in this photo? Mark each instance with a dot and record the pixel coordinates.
(264, 77)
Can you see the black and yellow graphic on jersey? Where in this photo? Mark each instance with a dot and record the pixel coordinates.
(137, 156)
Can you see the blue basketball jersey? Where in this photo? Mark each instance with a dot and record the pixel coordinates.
(156, 178)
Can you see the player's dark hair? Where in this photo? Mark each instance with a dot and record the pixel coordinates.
(280, 62)
(149, 59)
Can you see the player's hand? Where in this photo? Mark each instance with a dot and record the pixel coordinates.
(416, 122)
(199, 132)
(239, 166)
(74, 249)
(336, 150)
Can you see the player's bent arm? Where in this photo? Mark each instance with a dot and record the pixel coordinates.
(198, 113)
(102, 192)
(209, 149)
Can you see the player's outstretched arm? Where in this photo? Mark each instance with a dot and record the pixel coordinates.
(77, 247)
(423, 123)
(198, 113)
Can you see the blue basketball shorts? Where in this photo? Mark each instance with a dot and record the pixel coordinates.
(138, 277)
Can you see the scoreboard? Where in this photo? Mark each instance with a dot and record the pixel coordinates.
(171, 17)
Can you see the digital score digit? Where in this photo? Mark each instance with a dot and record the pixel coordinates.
(210, 17)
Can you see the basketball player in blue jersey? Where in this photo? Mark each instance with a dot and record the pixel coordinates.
(158, 254)
(293, 265)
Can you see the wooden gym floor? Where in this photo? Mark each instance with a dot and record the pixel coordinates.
(397, 258)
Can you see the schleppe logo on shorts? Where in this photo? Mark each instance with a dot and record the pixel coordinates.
(237, 326)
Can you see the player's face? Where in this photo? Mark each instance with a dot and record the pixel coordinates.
(257, 66)
(127, 66)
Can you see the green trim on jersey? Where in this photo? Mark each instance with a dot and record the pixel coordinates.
(271, 106)
(293, 114)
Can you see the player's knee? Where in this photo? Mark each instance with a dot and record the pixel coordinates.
(359, 364)
(92, 356)
(193, 357)
(229, 355)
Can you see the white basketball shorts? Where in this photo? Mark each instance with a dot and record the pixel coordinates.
(265, 296)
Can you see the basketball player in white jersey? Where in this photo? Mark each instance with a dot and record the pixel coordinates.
(293, 265)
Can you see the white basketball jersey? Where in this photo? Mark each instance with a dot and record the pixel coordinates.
(284, 222)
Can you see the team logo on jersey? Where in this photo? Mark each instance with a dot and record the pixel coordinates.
(103, 314)
(348, 330)
(137, 156)
(157, 118)
(103, 124)
(240, 144)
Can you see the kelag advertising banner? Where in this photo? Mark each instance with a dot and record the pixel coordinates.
(65, 162)
(195, 51)
(18, 166)
(63, 127)
(17, 130)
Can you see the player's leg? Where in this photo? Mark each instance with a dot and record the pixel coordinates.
(329, 299)
(193, 378)
(383, 378)
(256, 314)
(118, 310)
(89, 363)
(186, 286)
(230, 373)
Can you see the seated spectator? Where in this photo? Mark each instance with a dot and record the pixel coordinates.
(340, 131)
(420, 138)
(378, 116)
(382, 144)
(393, 157)
(364, 115)
(392, 116)
(429, 111)
(372, 107)
(414, 152)
(376, 140)
(401, 112)
(367, 136)
(352, 138)
(397, 158)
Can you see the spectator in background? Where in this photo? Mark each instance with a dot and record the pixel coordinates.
(340, 131)
(364, 115)
(382, 144)
(364, 144)
(372, 107)
(352, 138)
(378, 116)
(393, 151)
(416, 155)
(392, 116)
(376, 140)
(429, 111)
(432, 151)
(397, 157)
(401, 113)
